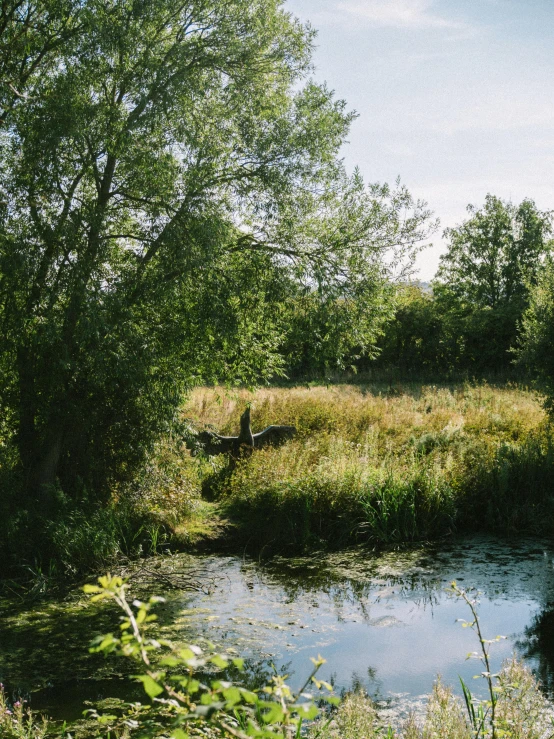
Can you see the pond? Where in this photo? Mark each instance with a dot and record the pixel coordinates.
(382, 621)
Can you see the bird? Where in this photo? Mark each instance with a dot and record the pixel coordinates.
(212, 443)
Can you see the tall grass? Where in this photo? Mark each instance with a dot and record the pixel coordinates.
(522, 713)
(369, 464)
(385, 466)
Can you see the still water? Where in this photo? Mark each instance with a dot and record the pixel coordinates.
(382, 621)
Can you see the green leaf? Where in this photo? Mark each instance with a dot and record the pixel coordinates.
(218, 661)
(105, 718)
(333, 700)
(232, 695)
(170, 661)
(307, 711)
(151, 687)
(248, 695)
(272, 712)
(91, 589)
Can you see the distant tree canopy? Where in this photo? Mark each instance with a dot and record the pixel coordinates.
(483, 282)
(536, 342)
(412, 342)
(171, 194)
(469, 320)
(494, 256)
(332, 323)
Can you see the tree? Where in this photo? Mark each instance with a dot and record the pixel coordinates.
(31, 36)
(484, 278)
(413, 341)
(535, 349)
(336, 318)
(168, 175)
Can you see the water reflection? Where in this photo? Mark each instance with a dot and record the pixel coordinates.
(537, 646)
(388, 610)
(382, 620)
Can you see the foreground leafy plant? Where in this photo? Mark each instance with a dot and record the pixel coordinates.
(185, 700)
(514, 706)
(482, 713)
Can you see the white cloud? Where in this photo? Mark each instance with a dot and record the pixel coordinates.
(398, 13)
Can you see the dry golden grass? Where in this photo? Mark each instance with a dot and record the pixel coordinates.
(522, 712)
(381, 464)
(359, 414)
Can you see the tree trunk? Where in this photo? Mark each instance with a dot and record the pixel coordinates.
(46, 469)
(27, 410)
(39, 457)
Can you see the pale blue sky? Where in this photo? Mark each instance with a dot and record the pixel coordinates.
(455, 96)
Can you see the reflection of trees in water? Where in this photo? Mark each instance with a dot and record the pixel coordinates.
(538, 646)
(256, 673)
(353, 578)
(494, 567)
(371, 684)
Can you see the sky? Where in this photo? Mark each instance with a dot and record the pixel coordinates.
(454, 96)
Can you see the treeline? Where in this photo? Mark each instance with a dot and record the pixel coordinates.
(472, 320)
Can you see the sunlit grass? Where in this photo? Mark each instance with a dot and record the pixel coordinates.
(522, 713)
(384, 465)
(369, 464)
(385, 417)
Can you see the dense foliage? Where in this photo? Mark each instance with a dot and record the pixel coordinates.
(170, 187)
(536, 346)
(468, 320)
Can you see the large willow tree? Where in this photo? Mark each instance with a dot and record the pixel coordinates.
(169, 181)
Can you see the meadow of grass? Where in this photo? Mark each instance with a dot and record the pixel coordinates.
(370, 463)
(382, 465)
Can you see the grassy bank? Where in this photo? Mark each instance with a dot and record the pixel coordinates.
(370, 463)
(380, 465)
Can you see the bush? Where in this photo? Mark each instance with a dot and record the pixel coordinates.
(17, 721)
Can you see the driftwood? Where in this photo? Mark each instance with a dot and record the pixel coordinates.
(212, 443)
